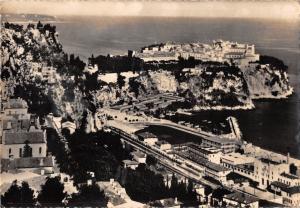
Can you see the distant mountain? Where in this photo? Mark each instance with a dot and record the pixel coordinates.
(27, 18)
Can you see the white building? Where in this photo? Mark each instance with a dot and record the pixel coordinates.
(290, 194)
(263, 171)
(226, 145)
(13, 144)
(23, 142)
(163, 145)
(241, 164)
(139, 156)
(148, 138)
(211, 154)
(219, 50)
(130, 164)
(266, 171)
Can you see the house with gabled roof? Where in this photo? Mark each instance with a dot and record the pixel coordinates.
(23, 141)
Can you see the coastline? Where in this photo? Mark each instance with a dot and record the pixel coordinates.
(286, 95)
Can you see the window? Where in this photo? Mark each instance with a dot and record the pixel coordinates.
(9, 151)
(20, 152)
(40, 150)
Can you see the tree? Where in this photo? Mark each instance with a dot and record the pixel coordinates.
(27, 195)
(150, 160)
(18, 195)
(293, 169)
(191, 194)
(173, 187)
(52, 192)
(208, 190)
(87, 153)
(12, 195)
(121, 80)
(88, 196)
(134, 86)
(144, 185)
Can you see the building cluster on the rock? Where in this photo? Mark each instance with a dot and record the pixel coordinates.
(219, 50)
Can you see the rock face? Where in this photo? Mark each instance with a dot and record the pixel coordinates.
(217, 87)
(164, 81)
(27, 53)
(206, 87)
(267, 82)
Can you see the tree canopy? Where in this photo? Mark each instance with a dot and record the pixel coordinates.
(88, 195)
(52, 192)
(18, 195)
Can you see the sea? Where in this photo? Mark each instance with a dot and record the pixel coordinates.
(273, 124)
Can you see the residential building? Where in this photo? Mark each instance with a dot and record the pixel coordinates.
(216, 171)
(130, 164)
(239, 163)
(148, 138)
(212, 154)
(266, 171)
(139, 156)
(289, 179)
(163, 145)
(238, 199)
(262, 170)
(168, 202)
(226, 145)
(23, 142)
(202, 167)
(290, 194)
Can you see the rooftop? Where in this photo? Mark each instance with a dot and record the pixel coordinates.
(130, 162)
(147, 135)
(288, 175)
(20, 137)
(241, 198)
(15, 104)
(160, 142)
(235, 53)
(237, 158)
(286, 188)
(168, 202)
(139, 154)
(28, 162)
(219, 140)
(203, 162)
(266, 160)
(204, 150)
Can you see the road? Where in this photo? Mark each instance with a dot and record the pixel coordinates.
(179, 127)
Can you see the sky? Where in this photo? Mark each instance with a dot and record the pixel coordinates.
(286, 9)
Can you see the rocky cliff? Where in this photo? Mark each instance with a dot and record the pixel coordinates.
(267, 81)
(27, 53)
(206, 87)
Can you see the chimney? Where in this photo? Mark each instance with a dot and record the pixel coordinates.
(288, 158)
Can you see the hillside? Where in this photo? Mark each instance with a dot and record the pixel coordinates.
(35, 67)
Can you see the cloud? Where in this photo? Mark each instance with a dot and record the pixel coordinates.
(243, 9)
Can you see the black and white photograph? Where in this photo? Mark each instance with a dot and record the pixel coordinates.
(150, 103)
